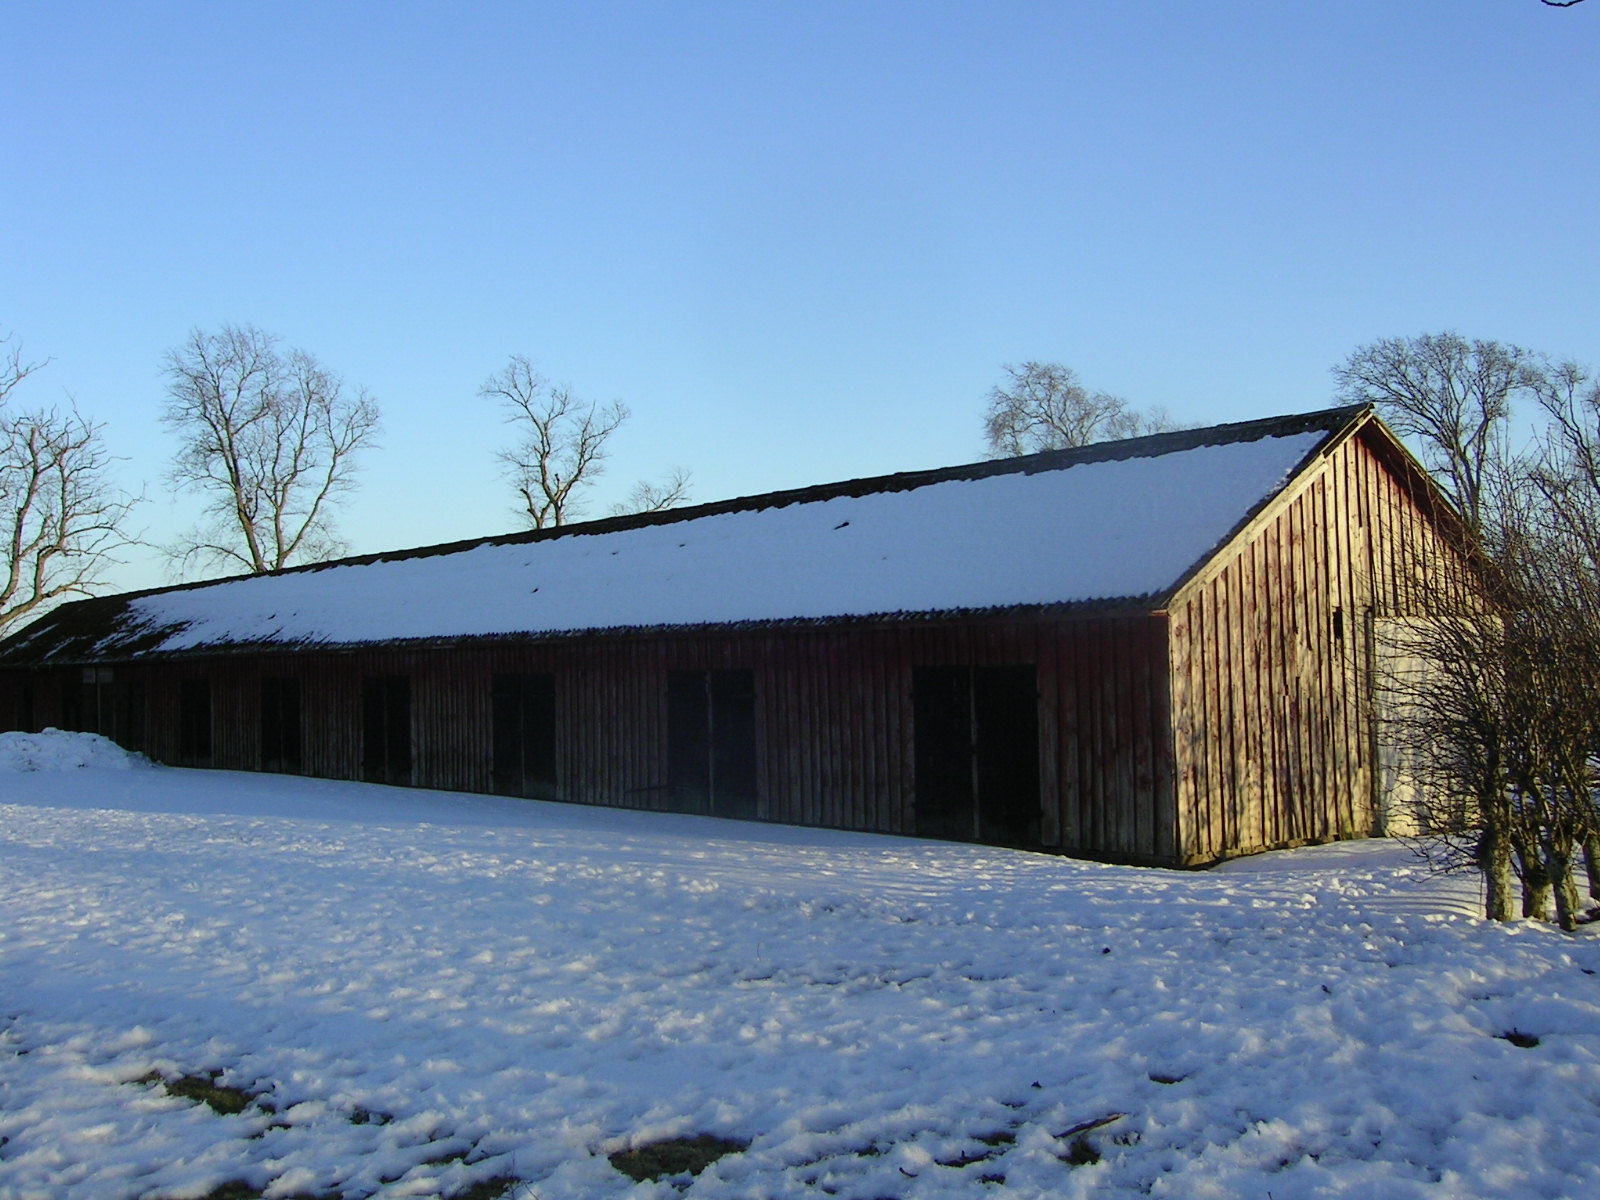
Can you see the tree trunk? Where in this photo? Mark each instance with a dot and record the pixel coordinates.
(1535, 883)
(1557, 848)
(1494, 860)
(1591, 863)
(1536, 894)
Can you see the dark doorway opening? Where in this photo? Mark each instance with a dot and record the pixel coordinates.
(108, 704)
(127, 714)
(386, 729)
(111, 706)
(711, 742)
(22, 704)
(977, 753)
(524, 719)
(280, 726)
(97, 704)
(194, 722)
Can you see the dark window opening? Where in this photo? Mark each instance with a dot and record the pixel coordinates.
(22, 718)
(524, 719)
(194, 721)
(386, 729)
(977, 753)
(711, 742)
(71, 706)
(280, 726)
(93, 710)
(108, 705)
(127, 714)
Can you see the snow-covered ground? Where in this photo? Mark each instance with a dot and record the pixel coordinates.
(428, 990)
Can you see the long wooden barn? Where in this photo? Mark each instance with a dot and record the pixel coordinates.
(1157, 650)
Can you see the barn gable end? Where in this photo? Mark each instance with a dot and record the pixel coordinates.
(1272, 652)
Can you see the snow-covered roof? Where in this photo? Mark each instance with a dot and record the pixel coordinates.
(1117, 523)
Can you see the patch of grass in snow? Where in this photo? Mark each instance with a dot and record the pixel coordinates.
(1081, 1152)
(228, 1101)
(996, 1143)
(238, 1189)
(497, 1188)
(459, 1152)
(447, 1158)
(673, 1156)
(966, 1160)
(205, 1089)
(234, 1189)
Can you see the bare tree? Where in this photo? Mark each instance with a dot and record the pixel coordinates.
(1452, 398)
(1566, 472)
(270, 440)
(61, 519)
(1555, 624)
(12, 369)
(1567, 468)
(1044, 406)
(1500, 727)
(647, 497)
(563, 446)
(1500, 722)
(1447, 716)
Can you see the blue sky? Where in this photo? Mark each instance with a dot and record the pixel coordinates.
(799, 240)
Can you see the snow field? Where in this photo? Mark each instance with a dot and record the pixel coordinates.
(536, 986)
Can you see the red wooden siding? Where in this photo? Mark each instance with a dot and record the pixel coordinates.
(835, 743)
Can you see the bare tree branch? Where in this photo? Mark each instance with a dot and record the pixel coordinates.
(563, 441)
(1452, 398)
(270, 439)
(12, 369)
(1497, 714)
(646, 497)
(61, 519)
(1045, 407)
